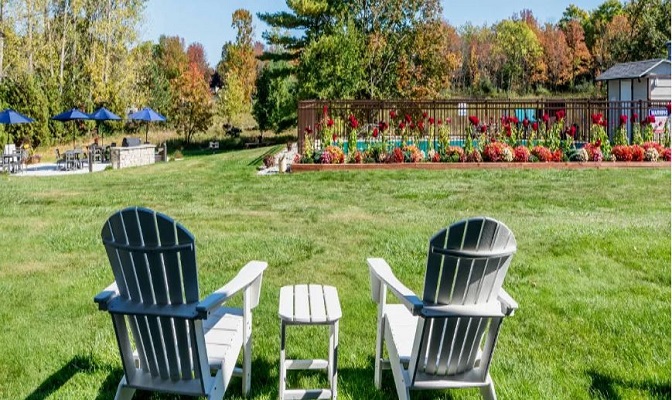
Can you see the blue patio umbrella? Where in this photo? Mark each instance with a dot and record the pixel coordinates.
(148, 115)
(71, 115)
(10, 116)
(103, 114)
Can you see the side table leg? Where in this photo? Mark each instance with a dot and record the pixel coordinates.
(281, 372)
(333, 359)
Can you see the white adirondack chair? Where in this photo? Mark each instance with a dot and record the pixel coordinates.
(438, 342)
(179, 341)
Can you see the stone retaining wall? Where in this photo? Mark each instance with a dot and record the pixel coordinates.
(124, 157)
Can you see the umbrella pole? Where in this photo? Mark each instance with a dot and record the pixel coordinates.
(146, 132)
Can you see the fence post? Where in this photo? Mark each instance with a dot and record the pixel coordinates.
(90, 156)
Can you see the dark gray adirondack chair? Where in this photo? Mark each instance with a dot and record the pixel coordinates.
(179, 341)
(447, 338)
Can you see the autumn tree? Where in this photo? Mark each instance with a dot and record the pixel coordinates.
(196, 56)
(192, 104)
(557, 56)
(238, 68)
(579, 54)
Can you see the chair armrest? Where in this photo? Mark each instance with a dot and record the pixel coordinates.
(108, 294)
(380, 271)
(509, 305)
(249, 275)
(492, 309)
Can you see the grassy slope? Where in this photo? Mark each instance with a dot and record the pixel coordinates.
(592, 273)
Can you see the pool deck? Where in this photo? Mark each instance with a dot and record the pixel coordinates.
(50, 169)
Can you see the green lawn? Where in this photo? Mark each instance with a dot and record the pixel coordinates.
(592, 272)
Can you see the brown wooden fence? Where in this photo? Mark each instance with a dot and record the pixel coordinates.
(313, 114)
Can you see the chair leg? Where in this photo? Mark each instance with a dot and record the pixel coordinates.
(124, 392)
(378, 370)
(281, 371)
(488, 392)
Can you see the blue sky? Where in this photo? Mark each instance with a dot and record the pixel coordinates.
(209, 21)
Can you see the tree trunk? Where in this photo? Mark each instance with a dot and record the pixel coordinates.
(29, 11)
(63, 43)
(2, 39)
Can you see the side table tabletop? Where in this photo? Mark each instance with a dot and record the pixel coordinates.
(309, 305)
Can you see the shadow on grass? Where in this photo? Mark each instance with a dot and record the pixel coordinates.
(605, 387)
(264, 381)
(77, 365)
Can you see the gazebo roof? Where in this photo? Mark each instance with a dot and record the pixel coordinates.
(631, 70)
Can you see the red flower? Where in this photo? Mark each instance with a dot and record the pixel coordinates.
(393, 114)
(309, 130)
(598, 119)
(402, 125)
(325, 109)
(354, 124)
(651, 119)
(624, 119)
(526, 122)
(421, 125)
(330, 122)
(598, 143)
(483, 128)
(513, 120)
(431, 120)
(572, 131)
(545, 118)
(424, 115)
(535, 126)
(504, 119)
(334, 137)
(375, 132)
(560, 114)
(474, 120)
(411, 125)
(507, 128)
(439, 122)
(635, 117)
(383, 126)
(407, 118)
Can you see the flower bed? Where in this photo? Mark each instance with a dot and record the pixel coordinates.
(422, 140)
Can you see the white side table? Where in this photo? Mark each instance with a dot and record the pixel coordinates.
(309, 305)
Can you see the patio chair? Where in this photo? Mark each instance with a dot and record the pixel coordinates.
(446, 338)
(183, 346)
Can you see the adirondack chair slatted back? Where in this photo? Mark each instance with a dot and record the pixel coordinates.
(153, 259)
(466, 265)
